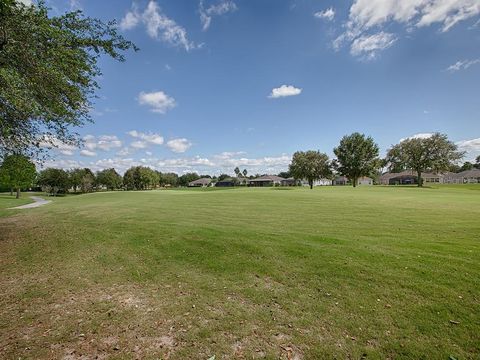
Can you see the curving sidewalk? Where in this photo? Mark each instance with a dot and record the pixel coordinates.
(38, 201)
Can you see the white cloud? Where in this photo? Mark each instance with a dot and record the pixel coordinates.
(327, 14)
(206, 14)
(158, 25)
(158, 101)
(283, 91)
(103, 142)
(365, 15)
(151, 138)
(179, 145)
(89, 153)
(471, 147)
(139, 144)
(368, 46)
(418, 136)
(462, 65)
(50, 142)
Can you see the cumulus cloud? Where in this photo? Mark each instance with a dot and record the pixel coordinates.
(283, 91)
(103, 142)
(158, 25)
(418, 136)
(219, 163)
(50, 142)
(368, 46)
(151, 138)
(158, 101)
(366, 15)
(179, 145)
(470, 146)
(327, 14)
(462, 65)
(139, 144)
(221, 8)
(89, 153)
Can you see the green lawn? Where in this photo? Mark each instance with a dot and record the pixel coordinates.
(336, 272)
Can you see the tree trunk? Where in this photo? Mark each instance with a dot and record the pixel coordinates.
(310, 182)
(18, 193)
(419, 179)
(11, 191)
(354, 182)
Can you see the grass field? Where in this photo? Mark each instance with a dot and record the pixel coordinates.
(336, 272)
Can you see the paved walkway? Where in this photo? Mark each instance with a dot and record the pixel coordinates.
(38, 202)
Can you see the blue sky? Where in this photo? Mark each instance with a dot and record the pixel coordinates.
(220, 83)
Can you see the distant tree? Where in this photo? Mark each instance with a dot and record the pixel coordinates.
(109, 178)
(54, 181)
(477, 162)
(467, 165)
(75, 176)
(357, 156)
(309, 165)
(285, 174)
(245, 172)
(17, 172)
(185, 179)
(237, 171)
(87, 180)
(223, 177)
(48, 71)
(435, 153)
(141, 178)
(129, 180)
(169, 179)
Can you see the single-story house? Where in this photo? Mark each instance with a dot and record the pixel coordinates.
(203, 182)
(289, 182)
(469, 176)
(266, 180)
(410, 177)
(340, 180)
(319, 182)
(227, 182)
(365, 180)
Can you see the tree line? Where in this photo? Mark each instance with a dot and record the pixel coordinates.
(357, 155)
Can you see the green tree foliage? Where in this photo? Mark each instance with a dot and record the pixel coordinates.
(477, 162)
(75, 176)
(17, 172)
(109, 178)
(357, 156)
(187, 178)
(309, 165)
(48, 67)
(140, 178)
(435, 153)
(467, 165)
(54, 181)
(87, 180)
(169, 179)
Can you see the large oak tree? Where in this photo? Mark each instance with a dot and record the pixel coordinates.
(310, 165)
(48, 72)
(435, 153)
(357, 156)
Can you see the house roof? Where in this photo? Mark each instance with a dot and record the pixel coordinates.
(268, 178)
(474, 173)
(388, 176)
(202, 181)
